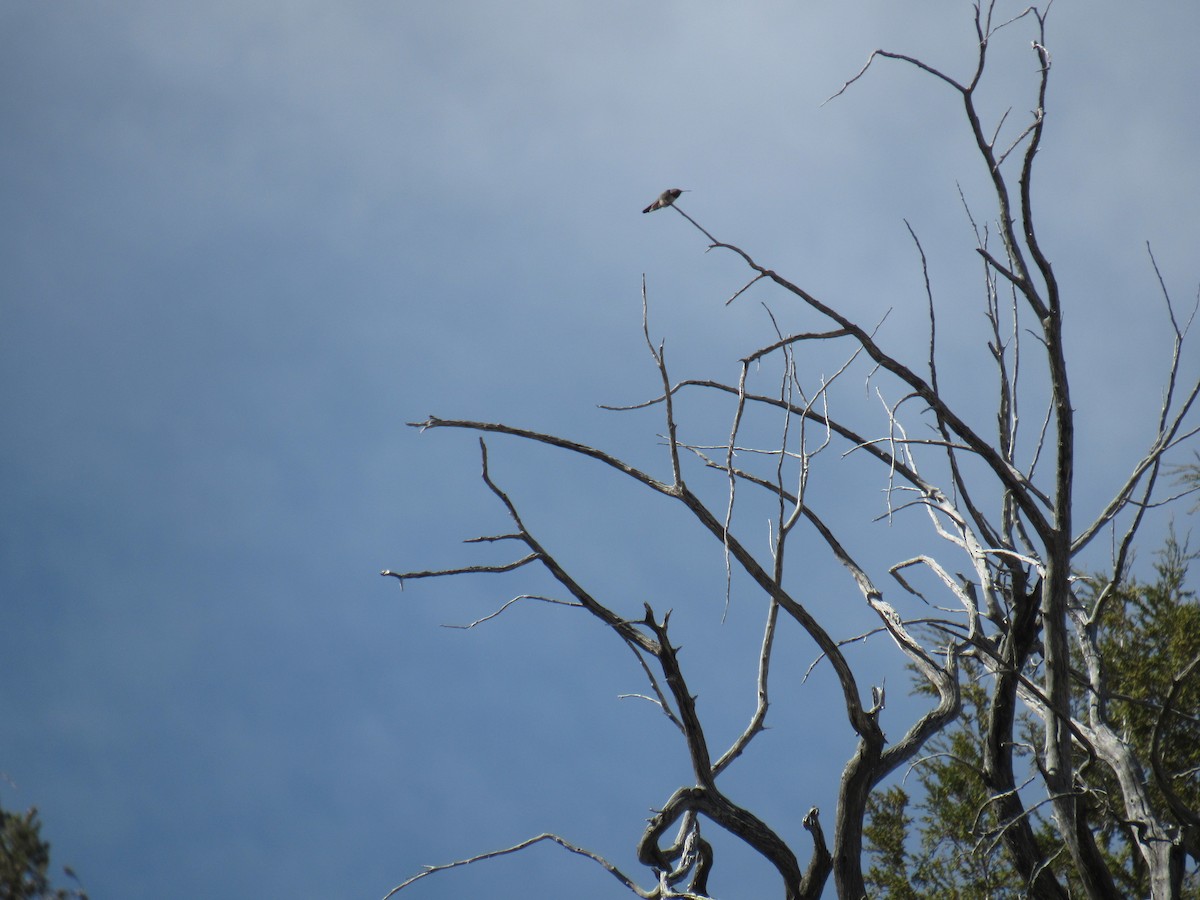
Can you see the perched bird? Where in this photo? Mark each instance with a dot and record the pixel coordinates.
(666, 198)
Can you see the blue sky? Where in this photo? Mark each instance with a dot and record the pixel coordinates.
(244, 242)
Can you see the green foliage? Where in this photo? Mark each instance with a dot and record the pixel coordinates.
(1149, 638)
(956, 852)
(947, 845)
(25, 859)
(886, 834)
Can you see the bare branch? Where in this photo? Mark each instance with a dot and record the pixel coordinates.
(685, 703)
(550, 440)
(554, 838)
(911, 60)
(697, 224)
(661, 701)
(660, 362)
(465, 570)
(749, 284)
(758, 720)
(514, 600)
(739, 822)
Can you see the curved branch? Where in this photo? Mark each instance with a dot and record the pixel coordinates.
(743, 824)
(562, 842)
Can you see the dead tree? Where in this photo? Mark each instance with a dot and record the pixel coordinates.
(998, 505)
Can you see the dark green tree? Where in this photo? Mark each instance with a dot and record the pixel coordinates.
(25, 860)
(1150, 641)
(946, 843)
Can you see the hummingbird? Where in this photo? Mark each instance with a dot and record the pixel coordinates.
(666, 198)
